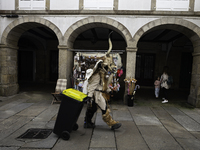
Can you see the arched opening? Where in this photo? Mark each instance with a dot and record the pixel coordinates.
(37, 57)
(33, 53)
(161, 46)
(95, 40)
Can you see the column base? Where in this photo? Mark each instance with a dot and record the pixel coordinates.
(193, 101)
(8, 90)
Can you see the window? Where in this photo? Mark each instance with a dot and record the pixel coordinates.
(172, 5)
(32, 4)
(98, 4)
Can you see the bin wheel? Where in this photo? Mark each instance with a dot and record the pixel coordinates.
(75, 127)
(65, 135)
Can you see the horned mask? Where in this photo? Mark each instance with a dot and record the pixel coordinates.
(108, 64)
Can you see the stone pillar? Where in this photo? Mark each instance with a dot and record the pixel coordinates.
(8, 71)
(130, 65)
(66, 61)
(130, 62)
(194, 97)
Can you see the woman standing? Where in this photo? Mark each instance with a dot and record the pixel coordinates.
(164, 86)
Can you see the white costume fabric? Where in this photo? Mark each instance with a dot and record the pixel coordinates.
(164, 79)
(92, 87)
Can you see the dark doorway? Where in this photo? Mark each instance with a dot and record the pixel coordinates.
(186, 70)
(145, 69)
(25, 64)
(54, 65)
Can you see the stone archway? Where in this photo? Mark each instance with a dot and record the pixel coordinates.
(92, 22)
(192, 31)
(8, 50)
(66, 57)
(14, 30)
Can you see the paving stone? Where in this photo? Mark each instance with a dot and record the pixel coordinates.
(103, 148)
(173, 111)
(14, 110)
(124, 115)
(32, 111)
(144, 116)
(187, 123)
(8, 122)
(42, 143)
(143, 110)
(9, 148)
(33, 149)
(196, 135)
(11, 104)
(176, 130)
(189, 144)
(128, 137)
(12, 141)
(191, 113)
(157, 138)
(6, 114)
(118, 107)
(170, 124)
(8, 129)
(161, 113)
(48, 114)
(102, 136)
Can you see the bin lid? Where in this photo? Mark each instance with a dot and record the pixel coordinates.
(75, 94)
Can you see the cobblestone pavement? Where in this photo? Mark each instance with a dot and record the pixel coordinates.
(148, 125)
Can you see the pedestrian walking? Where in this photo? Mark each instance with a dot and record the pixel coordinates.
(164, 85)
(157, 87)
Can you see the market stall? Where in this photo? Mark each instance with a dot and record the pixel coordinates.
(86, 60)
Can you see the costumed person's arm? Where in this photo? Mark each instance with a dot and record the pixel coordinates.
(93, 83)
(93, 79)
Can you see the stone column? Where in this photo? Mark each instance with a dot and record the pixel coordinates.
(8, 71)
(66, 61)
(194, 97)
(130, 65)
(130, 62)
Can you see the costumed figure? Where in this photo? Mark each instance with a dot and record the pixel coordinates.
(96, 86)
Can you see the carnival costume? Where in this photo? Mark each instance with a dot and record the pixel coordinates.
(96, 85)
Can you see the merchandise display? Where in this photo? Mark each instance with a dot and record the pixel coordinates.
(131, 90)
(84, 61)
(131, 86)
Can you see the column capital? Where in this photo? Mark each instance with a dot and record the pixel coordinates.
(196, 54)
(9, 46)
(62, 47)
(131, 49)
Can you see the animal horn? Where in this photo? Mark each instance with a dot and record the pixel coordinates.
(110, 43)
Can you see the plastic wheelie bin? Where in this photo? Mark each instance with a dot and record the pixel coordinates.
(72, 102)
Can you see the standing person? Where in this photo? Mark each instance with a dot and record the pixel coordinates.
(164, 86)
(157, 87)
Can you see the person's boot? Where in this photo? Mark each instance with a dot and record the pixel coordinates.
(110, 122)
(88, 119)
(88, 123)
